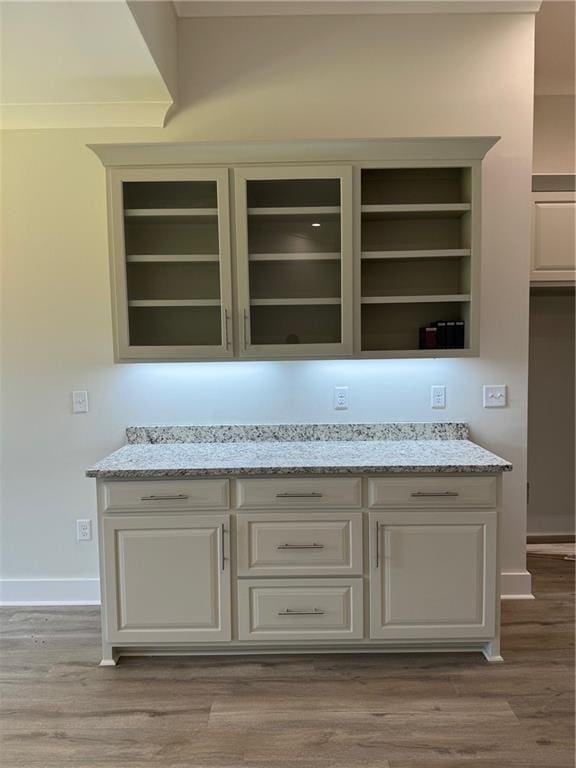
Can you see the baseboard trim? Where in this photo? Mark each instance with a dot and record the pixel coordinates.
(49, 592)
(516, 585)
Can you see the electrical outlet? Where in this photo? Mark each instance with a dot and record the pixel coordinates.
(80, 401)
(495, 396)
(438, 396)
(341, 399)
(83, 530)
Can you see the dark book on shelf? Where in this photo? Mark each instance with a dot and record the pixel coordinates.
(440, 326)
(459, 334)
(450, 334)
(428, 335)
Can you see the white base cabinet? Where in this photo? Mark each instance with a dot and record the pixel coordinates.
(391, 568)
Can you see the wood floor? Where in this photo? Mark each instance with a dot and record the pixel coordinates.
(60, 710)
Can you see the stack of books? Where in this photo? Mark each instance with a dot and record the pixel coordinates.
(443, 334)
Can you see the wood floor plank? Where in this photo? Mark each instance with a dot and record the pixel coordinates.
(60, 710)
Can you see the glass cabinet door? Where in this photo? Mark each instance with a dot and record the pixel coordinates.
(172, 264)
(294, 228)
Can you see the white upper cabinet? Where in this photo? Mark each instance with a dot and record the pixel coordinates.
(553, 237)
(360, 248)
(294, 251)
(171, 264)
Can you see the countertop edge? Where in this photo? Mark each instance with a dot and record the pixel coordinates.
(139, 474)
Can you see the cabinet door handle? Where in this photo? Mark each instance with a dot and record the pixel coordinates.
(167, 497)
(434, 493)
(300, 546)
(377, 545)
(295, 612)
(222, 532)
(288, 495)
(245, 321)
(227, 341)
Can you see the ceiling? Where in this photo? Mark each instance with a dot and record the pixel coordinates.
(555, 51)
(78, 63)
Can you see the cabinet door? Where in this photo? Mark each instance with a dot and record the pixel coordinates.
(432, 575)
(553, 237)
(167, 578)
(170, 238)
(294, 240)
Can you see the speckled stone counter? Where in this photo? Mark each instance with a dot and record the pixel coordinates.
(327, 449)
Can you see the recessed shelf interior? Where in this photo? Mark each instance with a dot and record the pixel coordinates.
(416, 253)
(295, 324)
(172, 263)
(388, 327)
(396, 186)
(413, 277)
(289, 222)
(175, 326)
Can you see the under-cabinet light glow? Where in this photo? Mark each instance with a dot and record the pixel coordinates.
(316, 224)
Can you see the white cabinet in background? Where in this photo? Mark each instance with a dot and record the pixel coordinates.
(553, 237)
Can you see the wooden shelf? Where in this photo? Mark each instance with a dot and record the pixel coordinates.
(292, 302)
(421, 299)
(174, 303)
(445, 253)
(167, 212)
(295, 256)
(304, 210)
(167, 257)
(417, 208)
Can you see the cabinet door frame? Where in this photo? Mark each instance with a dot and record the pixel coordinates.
(161, 521)
(381, 559)
(242, 175)
(561, 273)
(123, 350)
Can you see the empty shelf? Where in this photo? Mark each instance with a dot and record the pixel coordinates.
(295, 256)
(444, 253)
(174, 303)
(292, 302)
(167, 257)
(303, 210)
(156, 212)
(421, 299)
(418, 208)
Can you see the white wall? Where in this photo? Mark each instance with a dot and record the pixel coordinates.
(255, 78)
(554, 132)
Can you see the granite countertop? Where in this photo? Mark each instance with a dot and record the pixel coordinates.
(169, 452)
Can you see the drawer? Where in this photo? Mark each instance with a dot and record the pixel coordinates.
(436, 492)
(298, 493)
(299, 543)
(166, 494)
(300, 609)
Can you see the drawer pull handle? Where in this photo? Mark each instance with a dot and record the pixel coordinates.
(300, 546)
(288, 495)
(434, 493)
(172, 497)
(294, 612)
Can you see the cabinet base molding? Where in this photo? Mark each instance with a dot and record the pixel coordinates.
(112, 654)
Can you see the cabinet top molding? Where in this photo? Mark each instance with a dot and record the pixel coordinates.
(313, 151)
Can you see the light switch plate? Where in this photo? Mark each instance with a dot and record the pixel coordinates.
(495, 395)
(80, 401)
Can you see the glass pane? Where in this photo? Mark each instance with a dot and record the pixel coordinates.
(173, 326)
(294, 243)
(294, 324)
(172, 263)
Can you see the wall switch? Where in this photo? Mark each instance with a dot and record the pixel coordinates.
(495, 395)
(341, 399)
(438, 396)
(83, 530)
(80, 401)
